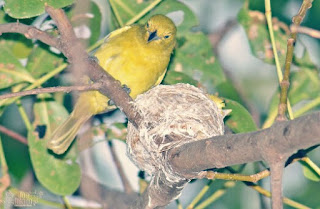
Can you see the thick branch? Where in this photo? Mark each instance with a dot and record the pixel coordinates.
(278, 142)
(283, 138)
(31, 33)
(107, 197)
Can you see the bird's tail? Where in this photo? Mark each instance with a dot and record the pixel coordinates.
(63, 136)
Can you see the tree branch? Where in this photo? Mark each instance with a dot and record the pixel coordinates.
(76, 54)
(124, 180)
(305, 30)
(13, 135)
(67, 89)
(284, 85)
(228, 150)
(279, 141)
(30, 32)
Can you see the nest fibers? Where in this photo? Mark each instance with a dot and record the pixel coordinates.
(172, 115)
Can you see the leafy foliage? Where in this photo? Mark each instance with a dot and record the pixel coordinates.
(30, 8)
(26, 64)
(59, 175)
(254, 23)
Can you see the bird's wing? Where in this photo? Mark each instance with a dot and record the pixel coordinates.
(160, 78)
(116, 32)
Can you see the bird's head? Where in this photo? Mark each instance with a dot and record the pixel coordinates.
(160, 30)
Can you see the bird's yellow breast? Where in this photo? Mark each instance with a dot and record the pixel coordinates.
(132, 61)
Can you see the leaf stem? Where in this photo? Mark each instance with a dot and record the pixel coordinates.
(66, 89)
(314, 103)
(216, 195)
(116, 13)
(66, 202)
(143, 12)
(268, 15)
(200, 195)
(13, 135)
(35, 84)
(24, 115)
(312, 165)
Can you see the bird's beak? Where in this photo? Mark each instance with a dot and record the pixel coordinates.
(153, 36)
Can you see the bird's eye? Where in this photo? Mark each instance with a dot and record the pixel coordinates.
(147, 25)
(166, 36)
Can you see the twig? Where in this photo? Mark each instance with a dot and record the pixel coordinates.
(67, 89)
(66, 202)
(13, 135)
(305, 30)
(200, 195)
(284, 85)
(24, 115)
(126, 184)
(31, 33)
(35, 84)
(266, 193)
(268, 15)
(216, 195)
(238, 177)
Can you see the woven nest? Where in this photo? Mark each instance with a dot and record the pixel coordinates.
(173, 115)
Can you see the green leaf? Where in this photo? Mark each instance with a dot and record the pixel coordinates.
(304, 84)
(30, 8)
(59, 174)
(173, 77)
(116, 131)
(308, 172)
(42, 60)
(304, 61)
(255, 26)
(193, 55)
(16, 153)
(226, 89)
(18, 44)
(11, 70)
(125, 10)
(239, 120)
(273, 109)
(86, 22)
(200, 64)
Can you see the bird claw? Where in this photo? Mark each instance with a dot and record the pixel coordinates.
(126, 89)
(94, 58)
(111, 103)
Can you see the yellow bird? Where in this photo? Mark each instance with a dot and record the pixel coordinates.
(137, 56)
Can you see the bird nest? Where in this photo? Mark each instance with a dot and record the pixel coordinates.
(172, 116)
